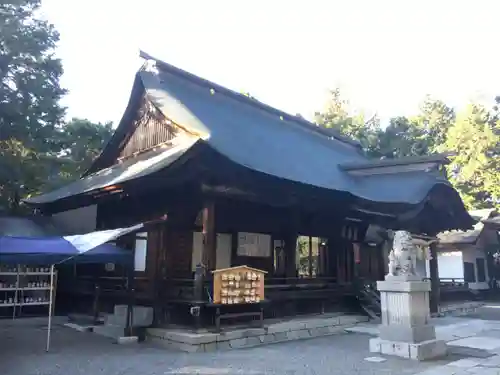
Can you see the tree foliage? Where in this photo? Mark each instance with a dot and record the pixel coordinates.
(472, 138)
(37, 150)
(336, 115)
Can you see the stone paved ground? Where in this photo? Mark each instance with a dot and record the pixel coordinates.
(73, 353)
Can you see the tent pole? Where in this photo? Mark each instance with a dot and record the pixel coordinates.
(51, 303)
(130, 300)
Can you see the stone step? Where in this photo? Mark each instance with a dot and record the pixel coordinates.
(142, 316)
(296, 329)
(111, 331)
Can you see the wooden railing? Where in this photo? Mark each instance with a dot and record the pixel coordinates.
(452, 284)
(180, 290)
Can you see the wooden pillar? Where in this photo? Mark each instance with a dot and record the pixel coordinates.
(434, 275)
(310, 257)
(208, 255)
(290, 238)
(291, 255)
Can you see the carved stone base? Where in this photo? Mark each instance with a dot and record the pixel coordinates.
(406, 330)
(417, 351)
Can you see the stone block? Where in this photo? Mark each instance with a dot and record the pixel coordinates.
(190, 338)
(252, 341)
(142, 316)
(428, 350)
(303, 334)
(334, 330)
(238, 343)
(320, 331)
(280, 336)
(316, 323)
(210, 347)
(125, 340)
(375, 345)
(241, 333)
(156, 332)
(267, 339)
(286, 326)
(398, 349)
(419, 351)
(223, 345)
(397, 332)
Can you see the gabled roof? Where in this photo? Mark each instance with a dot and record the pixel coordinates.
(145, 164)
(256, 136)
(457, 237)
(268, 142)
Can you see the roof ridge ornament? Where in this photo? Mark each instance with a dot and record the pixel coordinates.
(150, 66)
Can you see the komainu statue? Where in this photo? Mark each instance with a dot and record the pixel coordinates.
(403, 256)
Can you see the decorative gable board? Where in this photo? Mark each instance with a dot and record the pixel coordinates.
(150, 128)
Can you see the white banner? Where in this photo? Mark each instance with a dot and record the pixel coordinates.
(89, 241)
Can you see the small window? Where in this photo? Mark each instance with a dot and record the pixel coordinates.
(469, 274)
(307, 256)
(481, 270)
(140, 253)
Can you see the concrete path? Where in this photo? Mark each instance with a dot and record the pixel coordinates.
(474, 340)
(73, 353)
(475, 345)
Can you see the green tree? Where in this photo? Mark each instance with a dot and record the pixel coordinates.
(474, 139)
(30, 113)
(401, 138)
(419, 135)
(337, 115)
(81, 142)
(433, 122)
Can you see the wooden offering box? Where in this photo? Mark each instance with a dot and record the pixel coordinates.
(238, 285)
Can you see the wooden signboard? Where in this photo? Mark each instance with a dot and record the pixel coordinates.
(238, 285)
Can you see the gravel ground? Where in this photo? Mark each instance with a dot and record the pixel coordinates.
(72, 353)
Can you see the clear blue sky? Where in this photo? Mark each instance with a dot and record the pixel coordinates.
(386, 55)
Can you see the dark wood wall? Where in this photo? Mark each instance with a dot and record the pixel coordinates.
(170, 244)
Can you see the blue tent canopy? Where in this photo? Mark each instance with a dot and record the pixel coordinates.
(52, 250)
(86, 248)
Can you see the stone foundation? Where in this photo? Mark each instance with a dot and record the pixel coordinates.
(296, 329)
(406, 330)
(419, 351)
(458, 309)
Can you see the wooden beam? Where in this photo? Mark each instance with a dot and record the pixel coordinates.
(433, 268)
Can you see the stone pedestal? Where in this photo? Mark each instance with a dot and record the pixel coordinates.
(406, 330)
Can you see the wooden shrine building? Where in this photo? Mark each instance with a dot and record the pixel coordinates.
(222, 167)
